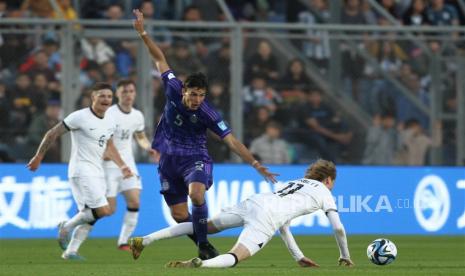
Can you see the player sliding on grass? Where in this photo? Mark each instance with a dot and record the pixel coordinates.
(185, 167)
(261, 215)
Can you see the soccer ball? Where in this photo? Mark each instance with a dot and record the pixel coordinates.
(382, 252)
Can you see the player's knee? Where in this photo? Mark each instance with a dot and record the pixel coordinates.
(104, 211)
(197, 197)
(133, 203)
(180, 216)
(112, 210)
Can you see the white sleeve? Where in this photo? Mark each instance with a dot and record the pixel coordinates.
(72, 121)
(141, 123)
(340, 233)
(291, 245)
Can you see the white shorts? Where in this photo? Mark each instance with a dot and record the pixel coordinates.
(116, 184)
(88, 191)
(247, 214)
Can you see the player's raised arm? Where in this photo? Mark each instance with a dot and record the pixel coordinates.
(112, 153)
(341, 238)
(48, 140)
(241, 150)
(154, 50)
(293, 248)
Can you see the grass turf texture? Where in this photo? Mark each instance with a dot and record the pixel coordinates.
(417, 255)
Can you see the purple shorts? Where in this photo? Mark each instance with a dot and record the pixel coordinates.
(177, 172)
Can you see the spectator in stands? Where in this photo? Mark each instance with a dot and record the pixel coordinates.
(323, 129)
(97, 50)
(295, 78)
(40, 88)
(38, 8)
(404, 106)
(391, 7)
(219, 98)
(182, 60)
(262, 62)
(22, 104)
(193, 14)
(414, 143)
(38, 65)
(259, 93)
(40, 124)
(66, 10)
(389, 54)
(270, 147)
(255, 124)
(218, 64)
(381, 141)
(164, 40)
(91, 74)
(416, 14)
(441, 14)
(109, 73)
(50, 46)
(352, 63)
(316, 48)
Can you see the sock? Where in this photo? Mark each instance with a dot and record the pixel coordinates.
(129, 224)
(80, 234)
(192, 236)
(224, 260)
(199, 220)
(184, 228)
(84, 216)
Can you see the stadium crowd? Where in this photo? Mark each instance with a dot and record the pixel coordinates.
(288, 120)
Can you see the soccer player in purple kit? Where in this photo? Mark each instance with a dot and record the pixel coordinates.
(185, 167)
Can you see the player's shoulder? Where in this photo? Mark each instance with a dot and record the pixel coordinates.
(210, 112)
(83, 112)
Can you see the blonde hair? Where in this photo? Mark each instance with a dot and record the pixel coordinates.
(321, 169)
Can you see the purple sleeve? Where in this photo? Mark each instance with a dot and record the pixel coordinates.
(214, 121)
(173, 86)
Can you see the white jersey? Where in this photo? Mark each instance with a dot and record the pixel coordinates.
(126, 125)
(298, 197)
(89, 137)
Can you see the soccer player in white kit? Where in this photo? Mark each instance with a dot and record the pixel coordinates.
(91, 136)
(130, 123)
(261, 215)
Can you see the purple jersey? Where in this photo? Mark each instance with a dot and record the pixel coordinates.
(182, 131)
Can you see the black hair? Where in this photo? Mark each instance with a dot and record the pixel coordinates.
(100, 86)
(412, 122)
(196, 80)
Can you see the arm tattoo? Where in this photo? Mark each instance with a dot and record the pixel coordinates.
(50, 138)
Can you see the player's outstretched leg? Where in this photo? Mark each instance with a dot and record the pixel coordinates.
(192, 263)
(63, 236)
(136, 245)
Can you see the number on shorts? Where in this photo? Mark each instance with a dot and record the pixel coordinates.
(289, 189)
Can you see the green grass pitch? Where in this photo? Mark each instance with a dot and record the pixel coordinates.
(417, 255)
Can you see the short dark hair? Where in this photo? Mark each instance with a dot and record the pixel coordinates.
(196, 80)
(125, 82)
(100, 86)
(320, 170)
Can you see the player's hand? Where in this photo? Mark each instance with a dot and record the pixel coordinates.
(345, 262)
(126, 172)
(155, 155)
(139, 21)
(34, 164)
(306, 262)
(269, 176)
